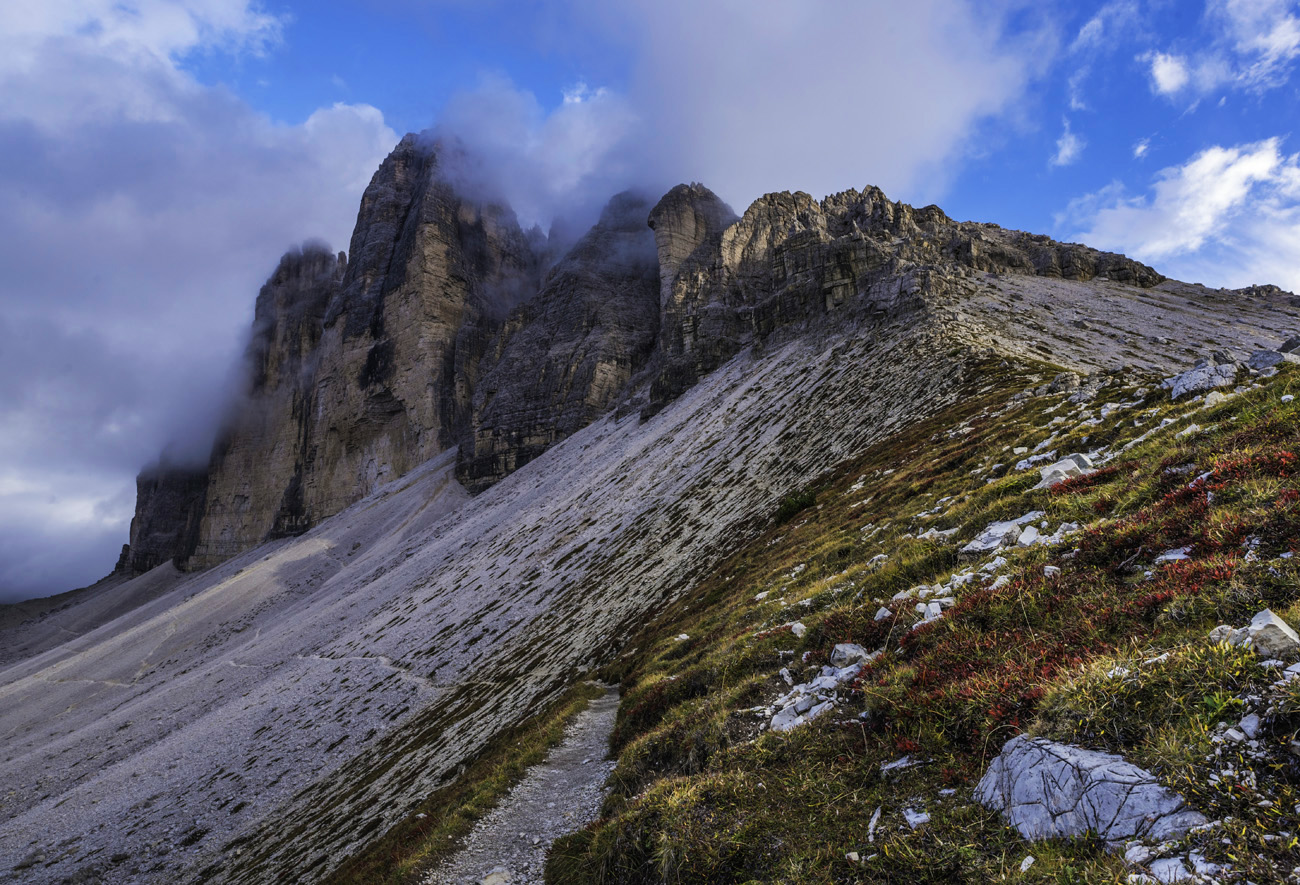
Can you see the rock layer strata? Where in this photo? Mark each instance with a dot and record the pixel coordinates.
(446, 328)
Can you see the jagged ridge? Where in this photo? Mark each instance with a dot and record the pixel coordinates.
(441, 331)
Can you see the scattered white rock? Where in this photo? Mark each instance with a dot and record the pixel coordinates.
(1178, 554)
(1027, 863)
(1170, 870)
(915, 819)
(1026, 463)
(882, 613)
(1077, 464)
(787, 720)
(1001, 534)
(1271, 636)
(898, 764)
(1136, 854)
(682, 637)
(1051, 571)
(798, 629)
(1203, 867)
(846, 653)
(1268, 359)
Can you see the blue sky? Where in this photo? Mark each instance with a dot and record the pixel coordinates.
(157, 156)
(1105, 95)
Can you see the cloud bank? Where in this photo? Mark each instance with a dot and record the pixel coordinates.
(143, 210)
(1256, 45)
(753, 97)
(1229, 215)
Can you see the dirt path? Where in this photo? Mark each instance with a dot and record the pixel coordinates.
(560, 795)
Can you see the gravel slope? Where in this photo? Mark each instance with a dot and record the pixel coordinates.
(560, 795)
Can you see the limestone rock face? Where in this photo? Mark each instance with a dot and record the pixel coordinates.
(364, 376)
(567, 354)
(359, 370)
(686, 217)
(791, 260)
(444, 329)
(168, 508)
(255, 483)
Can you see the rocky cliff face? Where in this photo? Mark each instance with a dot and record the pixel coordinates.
(346, 673)
(254, 489)
(565, 356)
(444, 329)
(169, 506)
(391, 358)
(358, 370)
(791, 259)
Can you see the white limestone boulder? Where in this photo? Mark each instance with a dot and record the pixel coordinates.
(1051, 790)
(1205, 376)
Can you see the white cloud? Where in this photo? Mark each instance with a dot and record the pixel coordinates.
(1228, 216)
(1069, 147)
(1075, 89)
(567, 161)
(142, 212)
(1107, 24)
(746, 100)
(1253, 46)
(1141, 148)
(1265, 36)
(1112, 24)
(1169, 73)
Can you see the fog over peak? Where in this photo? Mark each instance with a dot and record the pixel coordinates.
(749, 99)
(145, 208)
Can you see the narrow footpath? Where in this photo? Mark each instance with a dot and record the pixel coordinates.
(556, 797)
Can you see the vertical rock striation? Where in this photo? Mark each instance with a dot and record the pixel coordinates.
(567, 355)
(358, 370)
(169, 504)
(261, 460)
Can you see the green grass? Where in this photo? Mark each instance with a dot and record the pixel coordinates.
(418, 844)
(700, 795)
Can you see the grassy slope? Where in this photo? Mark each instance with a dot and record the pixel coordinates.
(700, 795)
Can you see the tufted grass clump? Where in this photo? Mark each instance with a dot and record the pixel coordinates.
(1139, 704)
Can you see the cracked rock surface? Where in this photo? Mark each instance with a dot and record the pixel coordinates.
(1047, 790)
